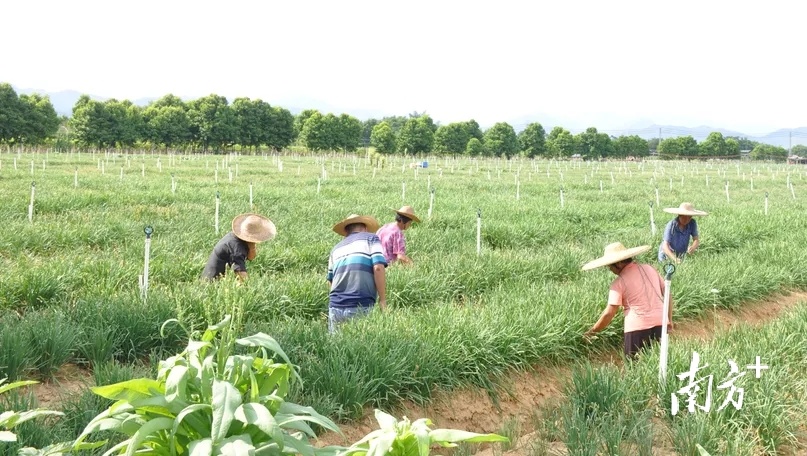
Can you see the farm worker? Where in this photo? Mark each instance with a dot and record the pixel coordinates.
(639, 290)
(239, 245)
(356, 271)
(392, 237)
(675, 239)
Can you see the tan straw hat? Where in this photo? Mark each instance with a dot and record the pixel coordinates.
(253, 228)
(408, 212)
(615, 253)
(685, 209)
(368, 221)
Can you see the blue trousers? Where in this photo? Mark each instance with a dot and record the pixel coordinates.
(339, 315)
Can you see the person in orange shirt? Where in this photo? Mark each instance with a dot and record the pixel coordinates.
(639, 290)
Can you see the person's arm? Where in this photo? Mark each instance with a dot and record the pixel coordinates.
(404, 259)
(380, 278)
(695, 243)
(605, 319)
(242, 275)
(668, 251)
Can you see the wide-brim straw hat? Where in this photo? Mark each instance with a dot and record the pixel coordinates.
(408, 212)
(368, 221)
(614, 253)
(253, 228)
(685, 209)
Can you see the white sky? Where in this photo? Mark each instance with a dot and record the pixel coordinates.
(609, 64)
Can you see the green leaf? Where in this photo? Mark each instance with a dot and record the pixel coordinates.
(453, 435)
(13, 385)
(187, 411)
(385, 420)
(150, 427)
(226, 400)
(129, 390)
(701, 450)
(381, 445)
(259, 416)
(176, 383)
(202, 447)
(312, 415)
(7, 436)
(239, 445)
(302, 447)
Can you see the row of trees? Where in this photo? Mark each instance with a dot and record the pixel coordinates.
(211, 122)
(717, 146)
(27, 119)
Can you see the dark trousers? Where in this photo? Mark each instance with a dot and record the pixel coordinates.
(636, 340)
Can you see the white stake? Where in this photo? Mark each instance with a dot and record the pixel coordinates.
(707, 181)
(600, 185)
(657, 199)
(75, 178)
(792, 192)
(766, 203)
(518, 189)
(103, 169)
(121, 173)
(173, 182)
(752, 182)
(236, 169)
(662, 371)
(431, 203)
(145, 285)
(374, 169)
(727, 192)
(32, 167)
(561, 198)
(15, 163)
(479, 232)
(31, 206)
(652, 221)
(319, 184)
(217, 212)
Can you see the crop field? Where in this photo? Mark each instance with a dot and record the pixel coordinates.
(70, 291)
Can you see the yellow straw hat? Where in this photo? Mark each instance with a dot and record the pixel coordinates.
(615, 253)
(253, 228)
(368, 221)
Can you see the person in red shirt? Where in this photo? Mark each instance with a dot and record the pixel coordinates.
(393, 241)
(639, 290)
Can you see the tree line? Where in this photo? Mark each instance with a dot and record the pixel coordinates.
(212, 123)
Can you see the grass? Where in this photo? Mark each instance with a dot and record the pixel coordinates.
(455, 317)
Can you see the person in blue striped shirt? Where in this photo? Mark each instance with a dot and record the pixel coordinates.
(356, 271)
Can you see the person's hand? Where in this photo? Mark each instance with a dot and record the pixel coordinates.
(670, 327)
(589, 337)
(382, 305)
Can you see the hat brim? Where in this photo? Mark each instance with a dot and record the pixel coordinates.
(267, 229)
(371, 224)
(408, 215)
(679, 211)
(615, 257)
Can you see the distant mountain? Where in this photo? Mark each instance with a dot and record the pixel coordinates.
(63, 102)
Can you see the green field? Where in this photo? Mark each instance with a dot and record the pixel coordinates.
(69, 289)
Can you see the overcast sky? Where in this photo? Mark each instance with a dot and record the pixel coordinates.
(610, 64)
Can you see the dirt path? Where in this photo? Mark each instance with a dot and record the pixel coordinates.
(471, 409)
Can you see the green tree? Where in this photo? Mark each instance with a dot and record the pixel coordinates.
(417, 135)
(591, 143)
(532, 140)
(249, 117)
(313, 133)
(745, 143)
(280, 131)
(383, 138)
(213, 123)
(799, 150)
(713, 146)
(300, 119)
(678, 147)
(732, 147)
(92, 124)
(169, 100)
(167, 125)
(348, 130)
(768, 152)
(630, 146)
(652, 143)
(501, 139)
(473, 130)
(367, 130)
(11, 113)
(561, 143)
(475, 148)
(452, 138)
(40, 120)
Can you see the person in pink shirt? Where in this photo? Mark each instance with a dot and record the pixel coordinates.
(393, 241)
(639, 290)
